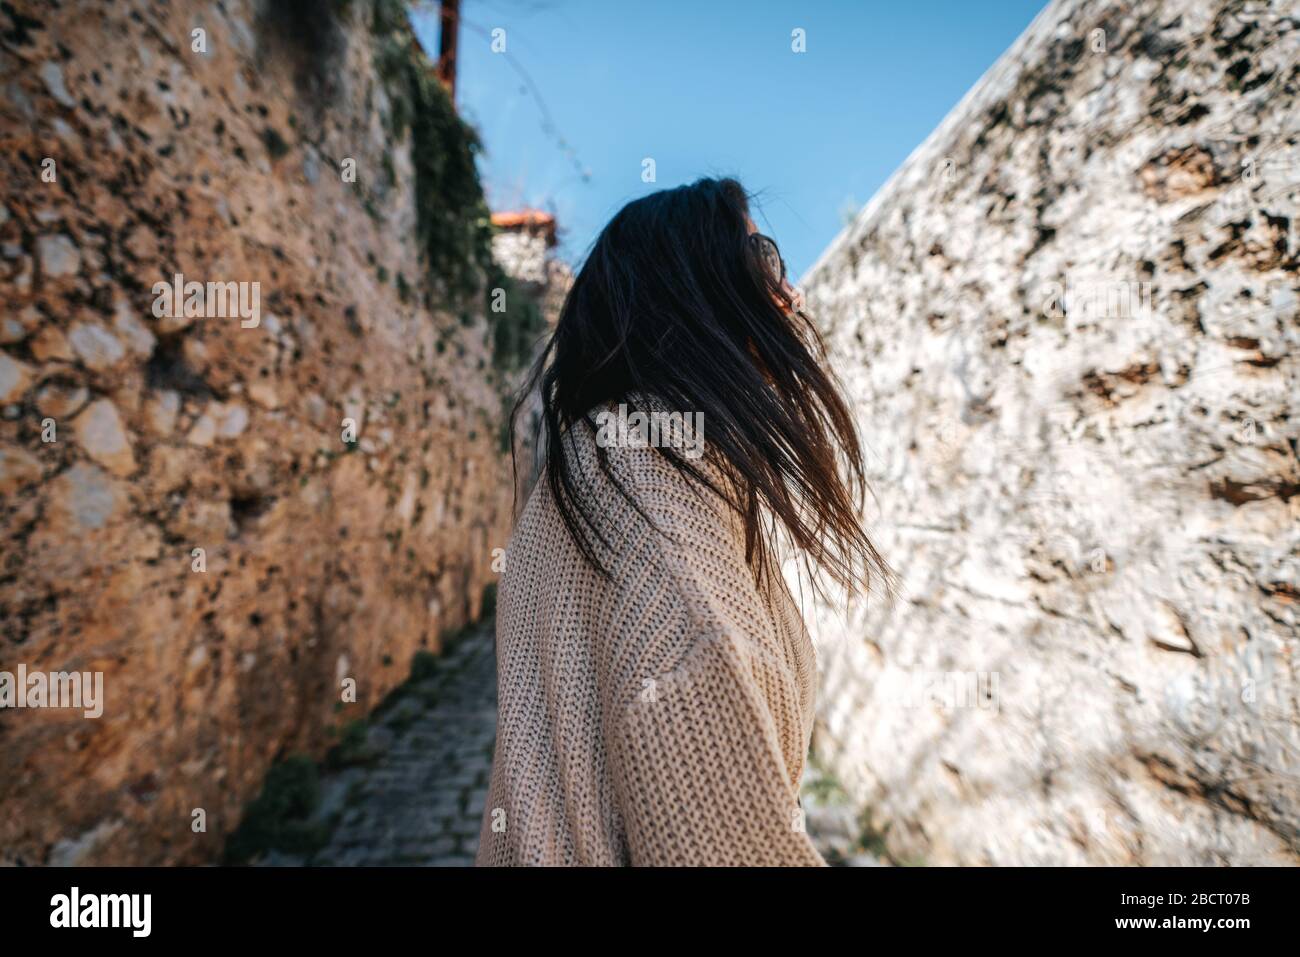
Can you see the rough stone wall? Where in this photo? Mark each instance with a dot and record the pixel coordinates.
(323, 560)
(1069, 325)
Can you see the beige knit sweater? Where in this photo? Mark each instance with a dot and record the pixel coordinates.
(658, 719)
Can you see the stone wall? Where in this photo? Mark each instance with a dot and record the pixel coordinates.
(1069, 325)
(181, 506)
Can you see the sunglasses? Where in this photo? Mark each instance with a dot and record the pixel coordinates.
(769, 255)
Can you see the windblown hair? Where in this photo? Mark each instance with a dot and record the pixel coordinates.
(674, 303)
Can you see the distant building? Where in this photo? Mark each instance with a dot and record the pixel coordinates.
(523, 245)
(523, 242)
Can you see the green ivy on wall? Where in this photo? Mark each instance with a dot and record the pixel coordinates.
(453, 223)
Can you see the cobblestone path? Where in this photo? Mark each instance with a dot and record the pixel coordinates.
(417, 796)
(419, 799)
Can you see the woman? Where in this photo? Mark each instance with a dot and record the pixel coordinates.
(655, 677)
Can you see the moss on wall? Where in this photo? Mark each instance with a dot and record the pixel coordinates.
(452, 217)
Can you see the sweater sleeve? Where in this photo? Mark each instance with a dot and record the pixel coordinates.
(698, 769)
(699, 747)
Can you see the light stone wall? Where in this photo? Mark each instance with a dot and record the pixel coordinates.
(1069, 326)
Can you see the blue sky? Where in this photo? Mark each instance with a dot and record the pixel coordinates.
(710, 88)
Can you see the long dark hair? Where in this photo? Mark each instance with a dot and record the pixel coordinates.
(675, 302)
